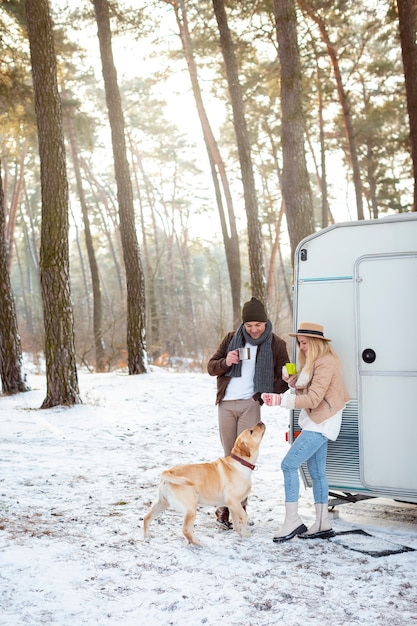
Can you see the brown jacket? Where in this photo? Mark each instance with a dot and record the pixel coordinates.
(217, 366)
(324, 394)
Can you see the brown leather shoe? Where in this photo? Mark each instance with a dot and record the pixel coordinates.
(222, 518)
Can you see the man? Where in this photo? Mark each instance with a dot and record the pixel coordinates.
(241, 381)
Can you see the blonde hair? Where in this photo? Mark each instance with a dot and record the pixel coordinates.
(316, 348)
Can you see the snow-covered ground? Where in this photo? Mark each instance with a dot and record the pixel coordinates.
(76, 482)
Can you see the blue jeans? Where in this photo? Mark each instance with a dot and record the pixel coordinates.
(309, 446)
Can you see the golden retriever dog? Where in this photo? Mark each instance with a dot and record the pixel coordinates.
(224, 482)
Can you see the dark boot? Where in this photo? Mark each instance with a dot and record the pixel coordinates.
(222, 518)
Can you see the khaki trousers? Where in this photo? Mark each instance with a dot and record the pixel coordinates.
(234, 417)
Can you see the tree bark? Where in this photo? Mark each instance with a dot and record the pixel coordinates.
(150, 277)
(61, 372)
(407, 17)
(295, 179)
(344, 103)
(218, 170)
(15, 202)
(136, 346)
(11, 363)
(106, 211)
(256, 264)
(95, 277)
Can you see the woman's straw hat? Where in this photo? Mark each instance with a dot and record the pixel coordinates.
(310, 329)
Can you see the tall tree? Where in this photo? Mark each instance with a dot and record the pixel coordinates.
(218, 170)
(295, 179)
(61, 372)
(11, 363)
(15, 201)
(407, 17)
(256, 265)
(344, 103)
(136, 346)
(95, 277)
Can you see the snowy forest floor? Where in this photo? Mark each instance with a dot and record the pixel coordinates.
(76, 482)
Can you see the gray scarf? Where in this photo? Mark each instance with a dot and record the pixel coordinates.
(264, 367)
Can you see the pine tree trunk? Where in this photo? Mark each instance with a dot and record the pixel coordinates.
(61, 372)
(295, 178)
(344, 103)
(134, 273)
(11, 365)
(407, 15)
(135, 283)
(153, 339)
(95, 278)
(256, 265)
(15, 203)
(218, 170)
(101, 198)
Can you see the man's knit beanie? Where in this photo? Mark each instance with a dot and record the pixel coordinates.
(254, 311)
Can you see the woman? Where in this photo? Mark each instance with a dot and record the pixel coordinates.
(241, 382)
(319, 392)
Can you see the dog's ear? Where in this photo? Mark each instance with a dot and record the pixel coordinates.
(243, 449)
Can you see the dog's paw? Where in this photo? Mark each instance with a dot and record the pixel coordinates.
(244, 532)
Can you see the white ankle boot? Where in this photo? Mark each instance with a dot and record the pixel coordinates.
(293, 524)
(322, 528)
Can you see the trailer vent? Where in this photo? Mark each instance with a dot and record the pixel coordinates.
(342, 468)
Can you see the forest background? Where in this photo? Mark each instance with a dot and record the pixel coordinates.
(202, 140)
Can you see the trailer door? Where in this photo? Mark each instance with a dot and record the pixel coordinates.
(386, 318)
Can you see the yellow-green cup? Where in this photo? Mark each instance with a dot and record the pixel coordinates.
(291, 368)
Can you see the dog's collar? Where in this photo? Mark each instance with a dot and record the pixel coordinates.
(242, 461)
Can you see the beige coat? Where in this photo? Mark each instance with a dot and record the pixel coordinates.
(321, 395)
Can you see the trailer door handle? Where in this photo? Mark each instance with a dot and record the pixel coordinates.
(368, 355)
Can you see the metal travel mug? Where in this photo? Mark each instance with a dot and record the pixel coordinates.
(244, 354)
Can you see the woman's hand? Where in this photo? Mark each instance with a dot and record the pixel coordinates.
(284, 374)
(290, 380)
(271, 399)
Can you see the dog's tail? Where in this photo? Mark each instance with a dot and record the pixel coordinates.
(169, 477)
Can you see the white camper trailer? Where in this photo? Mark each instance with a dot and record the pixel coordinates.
(359, 279)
